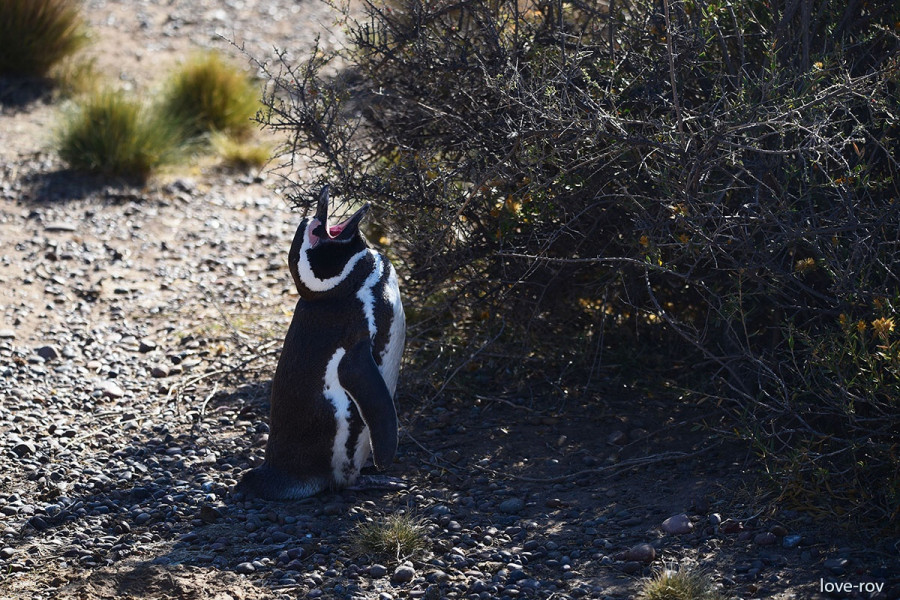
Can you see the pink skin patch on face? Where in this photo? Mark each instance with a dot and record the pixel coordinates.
(313, 238)
(333, 231)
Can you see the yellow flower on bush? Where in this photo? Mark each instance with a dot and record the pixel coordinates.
(842, 319)
(860, 326)
(883, 326)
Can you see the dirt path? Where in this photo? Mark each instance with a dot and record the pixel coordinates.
(139, 328)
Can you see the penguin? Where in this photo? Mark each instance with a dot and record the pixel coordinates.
(332, 402)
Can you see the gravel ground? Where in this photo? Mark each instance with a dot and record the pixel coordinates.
(139, 331)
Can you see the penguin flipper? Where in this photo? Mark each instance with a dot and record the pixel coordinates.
(360, 377)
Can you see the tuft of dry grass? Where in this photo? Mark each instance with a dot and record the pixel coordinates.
(681, 584)
(110, 133)
(240, 155)
(208, 94)
(35, 35)
(391, 537)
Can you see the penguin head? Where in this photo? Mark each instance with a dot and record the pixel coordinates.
(323, 256)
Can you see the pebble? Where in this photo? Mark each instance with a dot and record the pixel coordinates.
(512, 506)
(159, 370)
(7, 334)
(677, 525)
(377, 571)
(48, 352)
(766, 538)
(54, 226)
(245, 568)
(403, 574)
(837, 565)
(111, 389)
(791, 541)
(641, 553)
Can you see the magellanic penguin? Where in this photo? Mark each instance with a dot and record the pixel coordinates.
(332, 399)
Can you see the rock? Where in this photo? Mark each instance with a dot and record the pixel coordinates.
(766, 538)
(791, 541)
(159, 371)
(209, 513)
(512, 506)
(7, 553)
(432, 592)
(641, 553)
(403, 574)
(48, 352)
(730, 526)
(245, 568)
(111, 389)
(59, 226)
(24, 448)
(7, 334)
(377, 571)
(677, 525)
(146, 345)
(838, 565)
(617, 438)
(778, 530)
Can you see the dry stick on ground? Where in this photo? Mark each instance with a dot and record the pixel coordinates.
(625, 464)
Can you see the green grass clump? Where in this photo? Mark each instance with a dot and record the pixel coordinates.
(392, 537)
(238, 154)
(208, 95)
(36, 34)
(112, 134)
(687, 584)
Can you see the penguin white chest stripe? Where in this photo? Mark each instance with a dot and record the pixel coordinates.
(341, 403)
(309, 279)
(366, 293)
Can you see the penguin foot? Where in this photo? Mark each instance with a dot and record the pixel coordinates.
(377, 482)
(267, 483)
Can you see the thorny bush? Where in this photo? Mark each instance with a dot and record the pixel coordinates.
(697, 183)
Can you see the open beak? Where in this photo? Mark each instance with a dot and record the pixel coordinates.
(342, 232)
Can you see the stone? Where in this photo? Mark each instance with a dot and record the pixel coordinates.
(767, 538)
(110, 389)
(617, 438)
(377, 571)
(403, 574)
(641, 553)
(159, 371)
(59, 226)
(146, 345)
(48, 352)
(512, 506)
(24, 448)
(791, 541)
(677, 525)
(245, 568)
(7, 334)
(838, 565)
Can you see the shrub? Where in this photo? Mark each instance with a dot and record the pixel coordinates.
(684, 584)
(208, 95)
(112, 134)
(36, 34)
(392, 537)
(707, 185)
